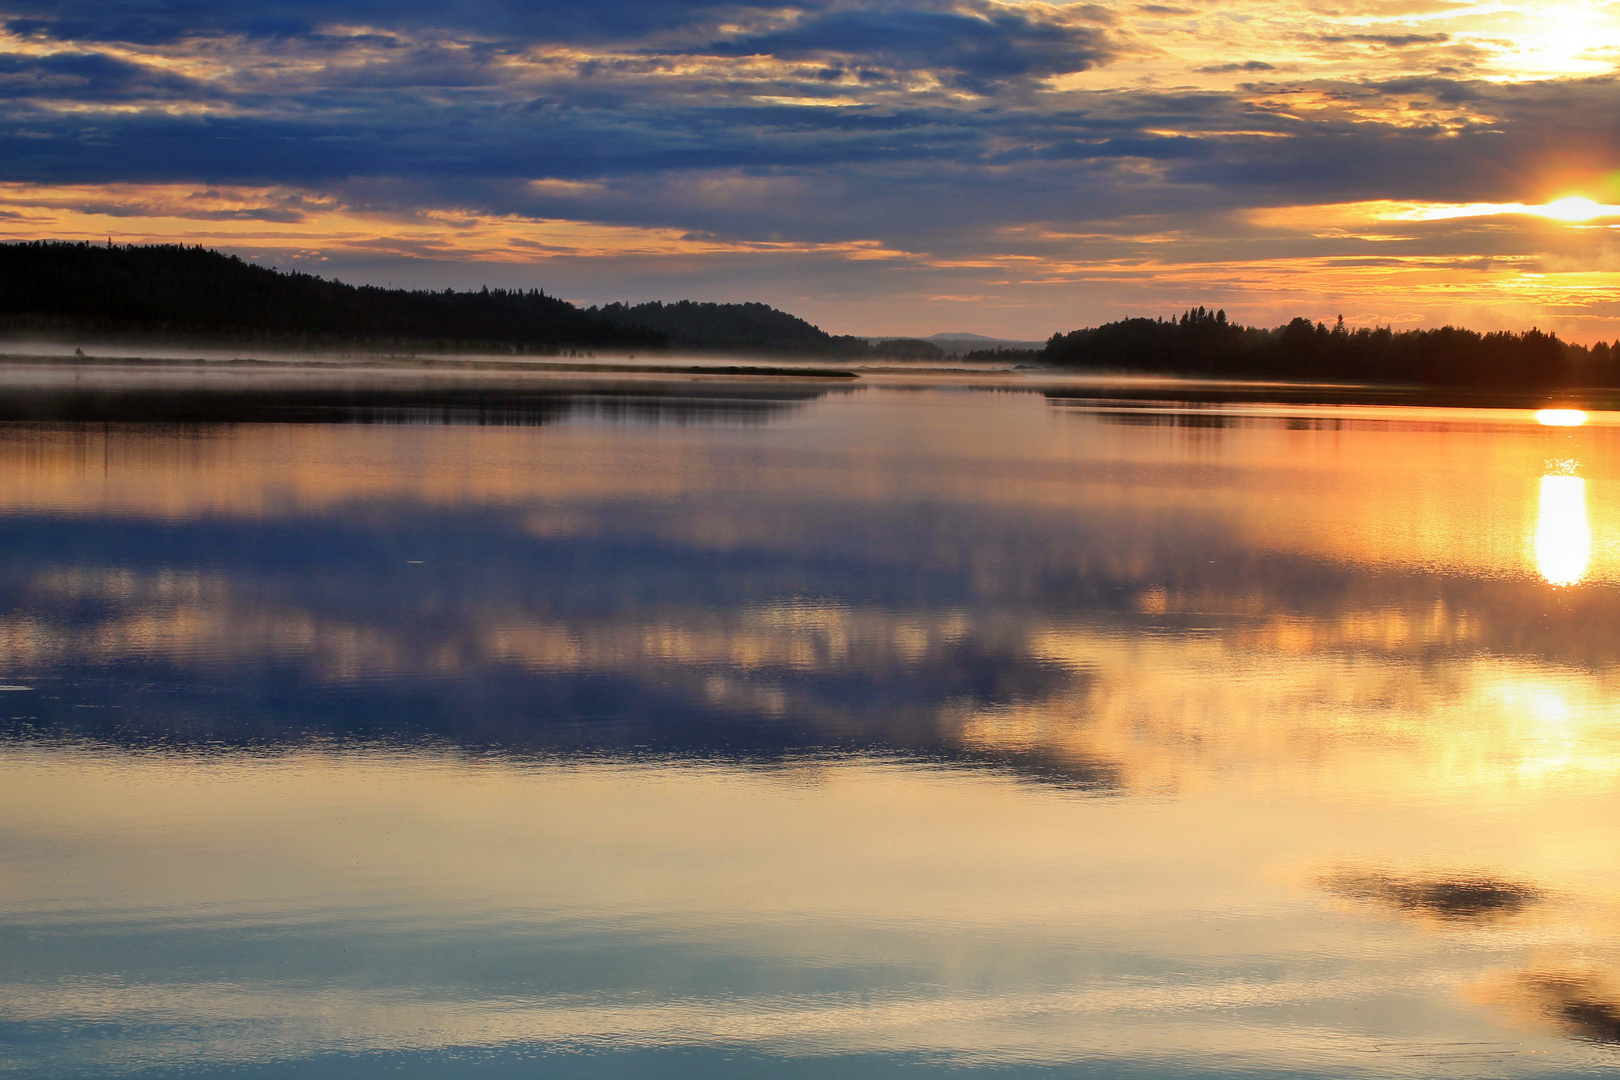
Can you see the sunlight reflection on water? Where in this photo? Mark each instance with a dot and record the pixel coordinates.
(856, 733)
(1561, 417)
(1563, 537)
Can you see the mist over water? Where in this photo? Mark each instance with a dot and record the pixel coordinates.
(676, 728)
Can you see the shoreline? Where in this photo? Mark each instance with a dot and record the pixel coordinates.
(431, 382)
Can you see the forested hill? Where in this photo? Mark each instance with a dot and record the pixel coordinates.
(732, 328)
(1204, 343)
(194, 294)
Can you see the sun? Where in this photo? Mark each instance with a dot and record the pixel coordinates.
(1574, 208)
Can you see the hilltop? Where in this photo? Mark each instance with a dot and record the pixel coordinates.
(730, 328)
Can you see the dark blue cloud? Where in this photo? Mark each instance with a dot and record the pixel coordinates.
(982, 43)
(157, 21)
(460, 104)
(970, 50)
(382, 125)
(91, 78)
(138, 28)
(473, 143)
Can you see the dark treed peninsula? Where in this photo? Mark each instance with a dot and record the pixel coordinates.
(196, 295)
(1204, 343)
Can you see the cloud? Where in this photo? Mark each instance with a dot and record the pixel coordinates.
(90, 78)
(995, 146)
(1248, 65)
(966, 48)
(168, 21)
(1393, 41)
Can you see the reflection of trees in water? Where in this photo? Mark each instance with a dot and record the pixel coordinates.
(397, 401)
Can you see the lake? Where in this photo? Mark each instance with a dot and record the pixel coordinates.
(801, 728)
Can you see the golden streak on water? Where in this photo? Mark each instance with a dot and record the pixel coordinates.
(1561, 417)
(1563, 536)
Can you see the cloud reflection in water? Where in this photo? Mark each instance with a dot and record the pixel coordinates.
(949, 729)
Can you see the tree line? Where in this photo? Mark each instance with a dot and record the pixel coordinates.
(194, 294)
(1204, 343)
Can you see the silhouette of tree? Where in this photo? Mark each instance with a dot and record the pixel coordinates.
(1203, 344)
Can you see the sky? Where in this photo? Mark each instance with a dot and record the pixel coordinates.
(876, 166)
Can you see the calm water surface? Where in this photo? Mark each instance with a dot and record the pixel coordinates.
(851, 732)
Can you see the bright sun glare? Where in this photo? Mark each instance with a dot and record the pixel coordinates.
(1573, 208)
(1561, 417)
(1563, 536)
